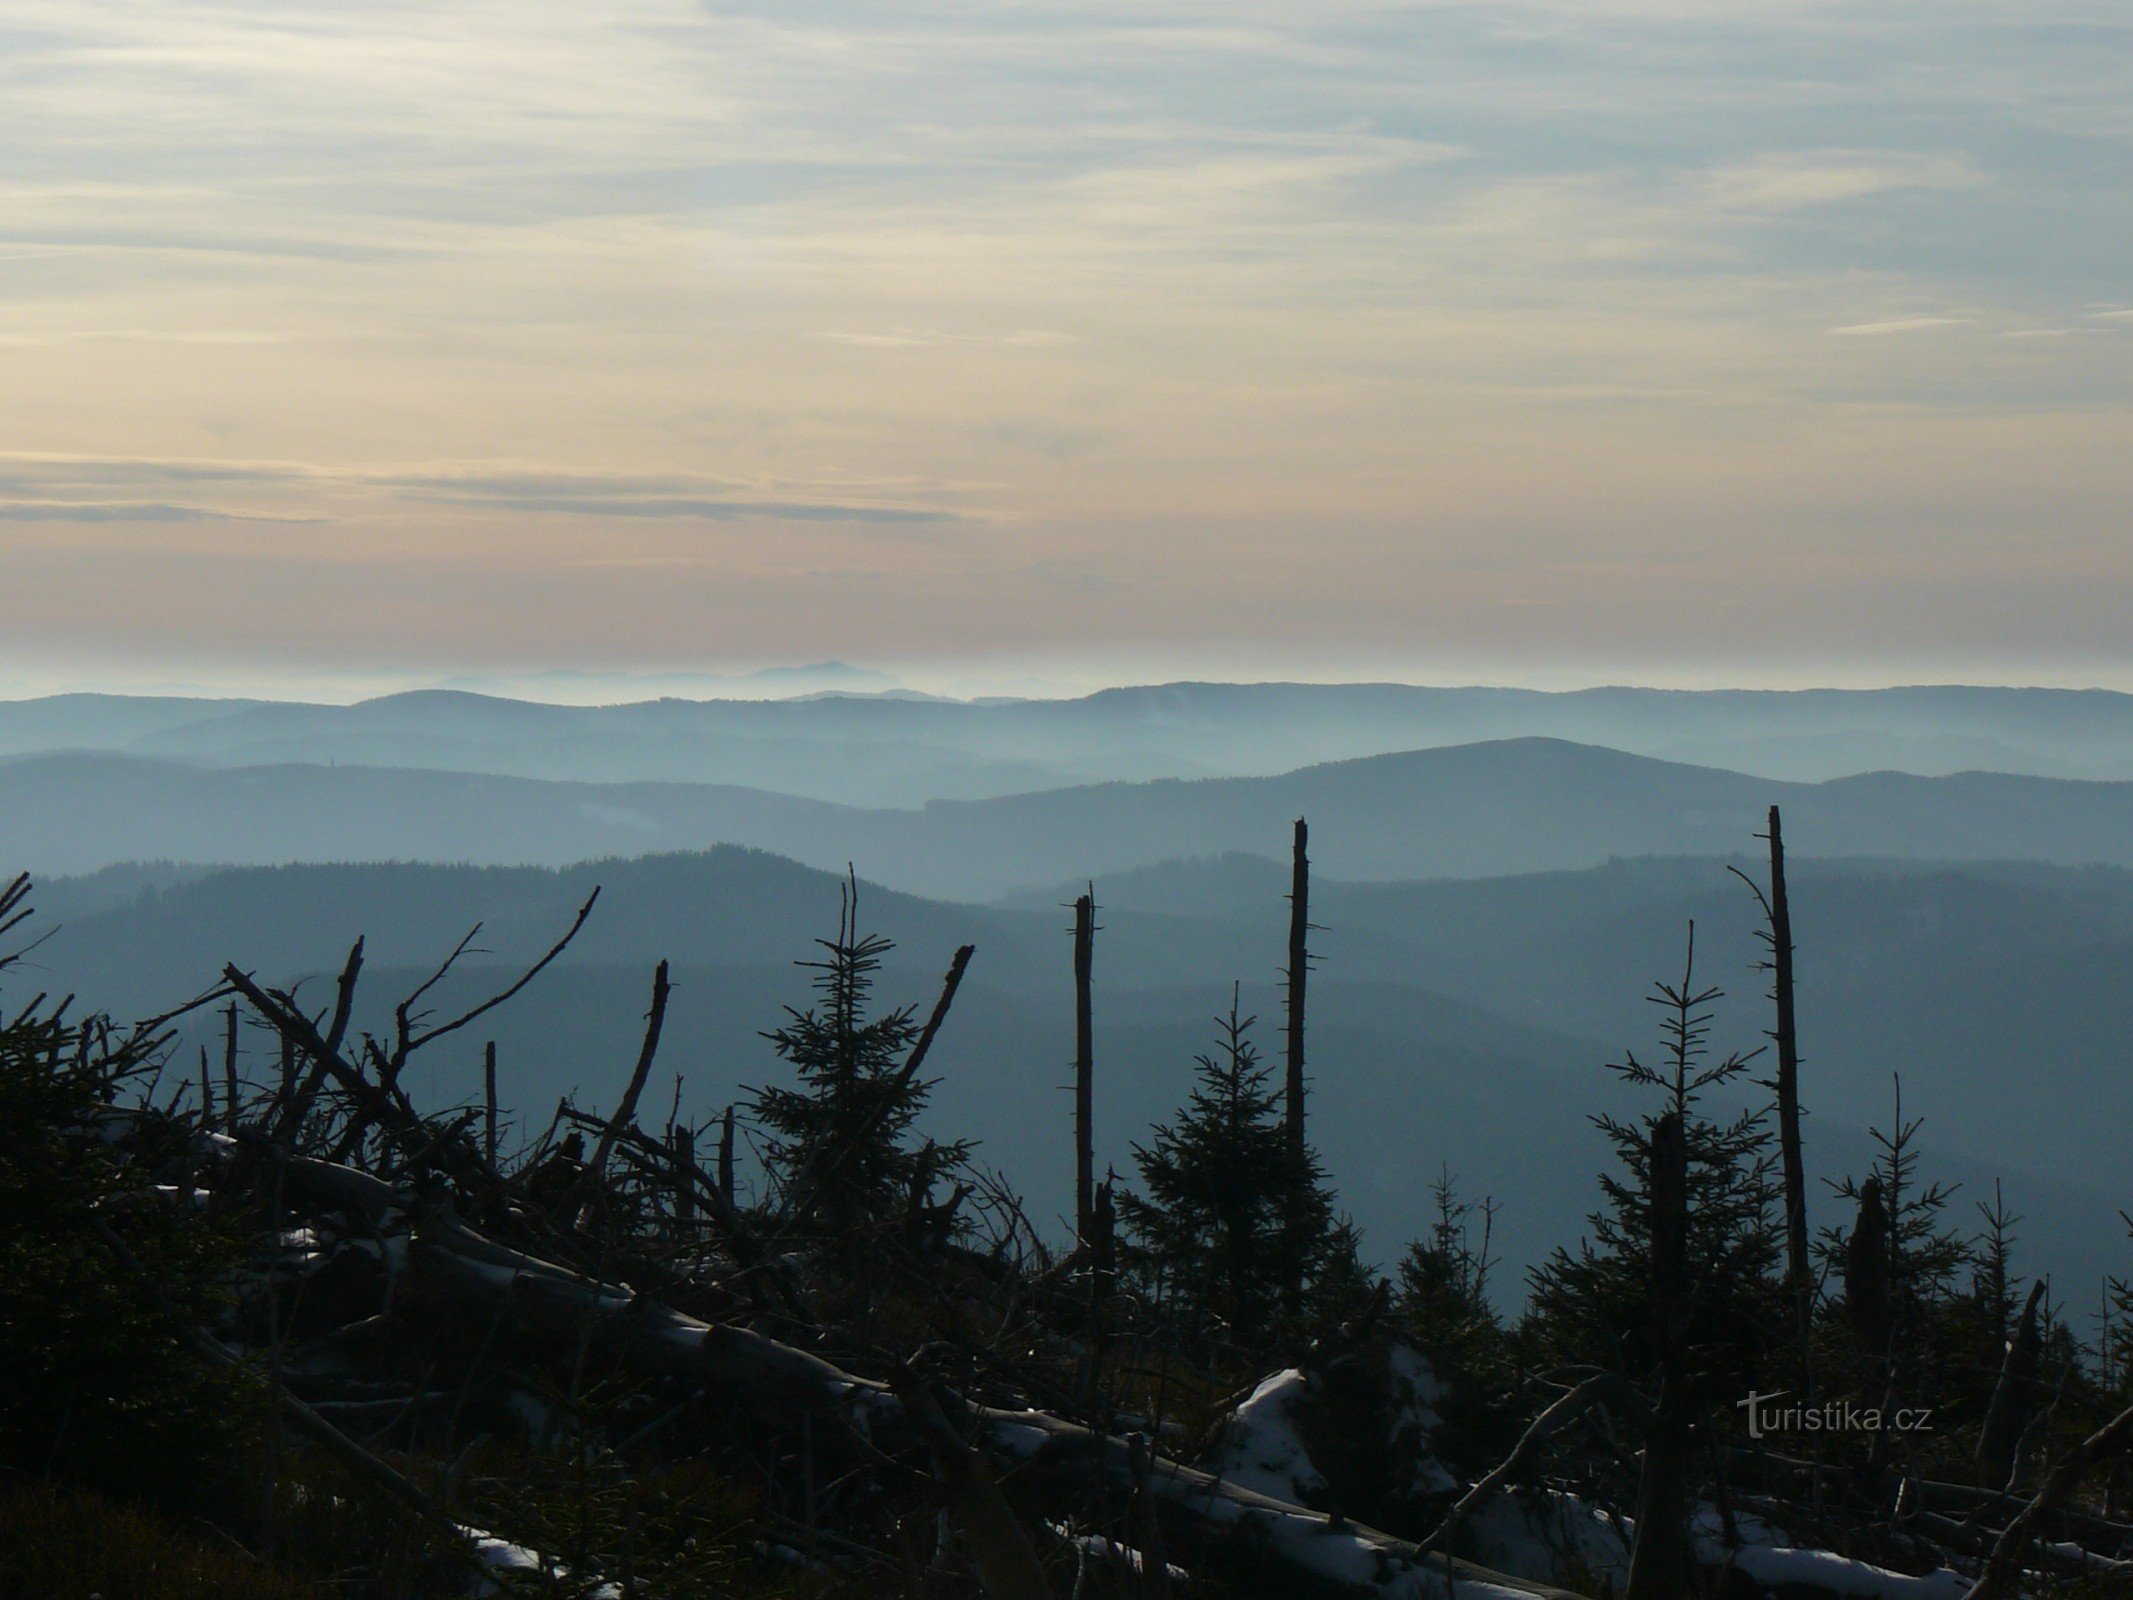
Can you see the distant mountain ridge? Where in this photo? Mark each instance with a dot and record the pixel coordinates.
(893, 749)
(1510, 806)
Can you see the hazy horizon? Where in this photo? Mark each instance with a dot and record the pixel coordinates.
(769, 680)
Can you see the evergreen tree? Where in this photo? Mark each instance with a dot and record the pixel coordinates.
(1233, 1212)
(1596, 1306)
(1441, 1289)
(838, 1148)
(106, 1273)
(1914, 1335)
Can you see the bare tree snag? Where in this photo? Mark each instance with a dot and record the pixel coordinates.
(488, 1093)
(1297, 974)
(684, 1142)
(626, 1112)
(294, 1110)
(1785, 1035)
(229, 1070)
(725, 1160)
(1084, 1067)
(2014, 1397)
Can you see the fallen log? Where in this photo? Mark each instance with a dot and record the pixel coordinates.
(1308, 1552)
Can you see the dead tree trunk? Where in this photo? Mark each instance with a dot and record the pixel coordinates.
(488, 1091)
(1084, 1068)
(626, 1113)
(725, 1161)
(1799, 1273)
(1867, 1290)
(229, 1070)
(1659, 1561)
(684, 1139)
(1305, 1551)
(1297, 974)
(2014, 1397)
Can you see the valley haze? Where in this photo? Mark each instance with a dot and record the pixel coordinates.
(1502, 875)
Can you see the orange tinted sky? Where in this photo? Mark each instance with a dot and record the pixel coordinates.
(356, 345)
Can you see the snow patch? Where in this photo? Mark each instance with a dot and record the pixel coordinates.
(502, 1556)
(1263, 1449)
(1834, 1574)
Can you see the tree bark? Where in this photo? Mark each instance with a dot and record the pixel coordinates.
(1298, 976)
(1799, 1272)
(1084, 1069)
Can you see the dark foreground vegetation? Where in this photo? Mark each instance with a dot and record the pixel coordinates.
(289, 1333)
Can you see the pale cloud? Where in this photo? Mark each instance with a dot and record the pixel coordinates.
(1784, 182)
(978, 328)
(126, 511)
(1897, 325)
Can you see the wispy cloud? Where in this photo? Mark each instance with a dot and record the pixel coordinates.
(28, 485)
(1788, 181)
(127, 511)
(1894, 325)
(655, 322)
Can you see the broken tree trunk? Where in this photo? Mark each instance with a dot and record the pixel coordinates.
(626, 1112)
(2014, 1398)
(1084, 1067)
(322, 1048)
(725, 1160)
(488, 1094)
(229, 1070)
(1298, 973)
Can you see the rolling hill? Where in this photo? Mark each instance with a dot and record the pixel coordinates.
(889, 750)
(1515, 806)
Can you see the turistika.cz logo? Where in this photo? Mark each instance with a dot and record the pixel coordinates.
(1766, 1417)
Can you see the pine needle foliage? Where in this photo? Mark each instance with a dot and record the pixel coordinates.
(119, 1402)
(1595, 1305)
(839, 1150)
(1441, 1288)
(1230, 1214)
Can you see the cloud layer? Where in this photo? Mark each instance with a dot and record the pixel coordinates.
(1785, 341)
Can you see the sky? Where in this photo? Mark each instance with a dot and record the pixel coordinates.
(1011, 344)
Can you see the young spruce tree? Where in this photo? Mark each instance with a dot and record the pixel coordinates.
(839, 1150)
(1232, 1212)
(1596, 1306)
